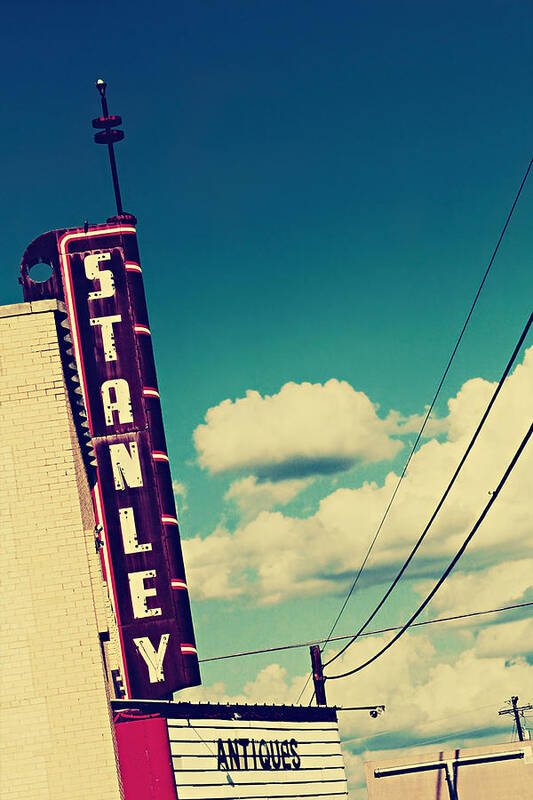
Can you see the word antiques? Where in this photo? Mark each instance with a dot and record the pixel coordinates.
(254, 754)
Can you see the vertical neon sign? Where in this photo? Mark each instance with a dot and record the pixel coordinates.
(96, 271)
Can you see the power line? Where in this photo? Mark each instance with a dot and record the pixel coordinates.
(446, 492)
(445, 737)
(426, 418)
(366, 633)
(450, 566)
(304, 687)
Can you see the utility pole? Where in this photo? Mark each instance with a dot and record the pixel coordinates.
(318, 675)
(516, 711)
(518, 721)
(319, 680)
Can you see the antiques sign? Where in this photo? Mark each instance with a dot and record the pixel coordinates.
(257, 757)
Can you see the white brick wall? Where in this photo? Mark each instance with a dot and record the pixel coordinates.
(56, 734)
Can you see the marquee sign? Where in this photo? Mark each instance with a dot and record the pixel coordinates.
(96, 271)
(267, 758)
(221, 752)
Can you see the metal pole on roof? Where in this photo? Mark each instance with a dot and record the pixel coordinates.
(108, 133)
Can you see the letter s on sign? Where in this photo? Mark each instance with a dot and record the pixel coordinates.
(105, 276)
(296, 761)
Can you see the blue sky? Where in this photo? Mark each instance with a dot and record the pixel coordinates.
(318, 188)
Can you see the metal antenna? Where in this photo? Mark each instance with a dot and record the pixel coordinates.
(109, 134)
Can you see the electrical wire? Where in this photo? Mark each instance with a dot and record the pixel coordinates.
(452, 564)
(304, 688)
(277, 648)
(444, 496)
(426, 418)
(448, 737)
(191, 726)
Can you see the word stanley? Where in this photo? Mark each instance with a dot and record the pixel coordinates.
(96, 272)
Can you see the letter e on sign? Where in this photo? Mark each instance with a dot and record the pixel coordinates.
(139, 592)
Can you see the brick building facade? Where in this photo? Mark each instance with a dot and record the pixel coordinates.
(57, 736)
(65, 733)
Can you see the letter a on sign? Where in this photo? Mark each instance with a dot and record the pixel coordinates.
(121, 403)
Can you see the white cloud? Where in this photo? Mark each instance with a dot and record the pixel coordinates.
(450, 696)
(252, 496)
(276, 556)
(397, 424)
(512, 639)
(427, 698)
(305, 429)
(504, 583)
(210, 574)
(180, 495)
(271, 685)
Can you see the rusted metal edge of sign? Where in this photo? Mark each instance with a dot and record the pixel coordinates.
(96, 272)
(228, 711)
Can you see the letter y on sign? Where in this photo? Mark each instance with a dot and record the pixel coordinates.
(153, 658)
